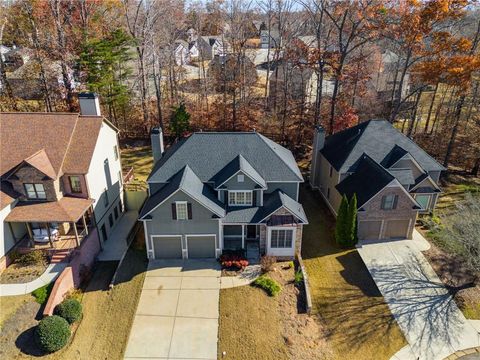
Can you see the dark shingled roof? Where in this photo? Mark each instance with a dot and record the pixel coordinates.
(404, 176)
(207, 153)
(234, 166)
(272, 202)
(379, 140)
(393, 156)
(368, 179)
(188, 182)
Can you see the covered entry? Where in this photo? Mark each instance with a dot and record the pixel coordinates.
(369, 230)
(397, 229)
(167, 246)
(201, 246)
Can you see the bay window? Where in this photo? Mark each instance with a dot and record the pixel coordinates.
(281, 238)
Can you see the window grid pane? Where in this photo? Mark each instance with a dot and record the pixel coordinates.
(281, 238)
(181, 211)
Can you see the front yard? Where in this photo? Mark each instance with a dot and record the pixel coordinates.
(105, 326)
(358, 322)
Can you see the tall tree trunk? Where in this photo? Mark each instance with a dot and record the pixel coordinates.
(157, 78)
(453, 136)
(430, 109)
(414, 115)
(398, 101)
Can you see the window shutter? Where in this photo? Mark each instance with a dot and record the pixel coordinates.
(395, 201)
(383, 203)
(254, 198)
(174, 211)
(189, 210)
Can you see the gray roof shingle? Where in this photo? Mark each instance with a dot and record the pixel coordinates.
(207, 153)
(379, 140)
(234, 166)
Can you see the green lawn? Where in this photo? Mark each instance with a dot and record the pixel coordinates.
(140, 158)
(359, 323)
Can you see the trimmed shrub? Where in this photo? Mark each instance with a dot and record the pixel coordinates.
(268, 263)
(229, 261)
(341, 227)
(70, 310)
(269, 285)
(41, 294)
(52, 333)
(298, 277)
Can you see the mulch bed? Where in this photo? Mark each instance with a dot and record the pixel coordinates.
(19, 274)
(454, 274)
(303, 334)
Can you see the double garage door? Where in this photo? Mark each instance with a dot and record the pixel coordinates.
(197, 246)
(393, 229)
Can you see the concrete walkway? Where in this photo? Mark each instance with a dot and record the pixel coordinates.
(426, 313)
(50, 274)
(177, 315)
(116, 245)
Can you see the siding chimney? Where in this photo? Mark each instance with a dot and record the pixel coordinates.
(89, 104)
(318, 143)
(156, 137)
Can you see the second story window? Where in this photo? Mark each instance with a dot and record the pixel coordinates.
(389, 202)
(115, 152)
(35, 191)
(331, 171)
(240, 198)
(105, 197)
(75, 184)
(181, 210)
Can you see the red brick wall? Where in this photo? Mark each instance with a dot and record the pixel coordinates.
(63, 285)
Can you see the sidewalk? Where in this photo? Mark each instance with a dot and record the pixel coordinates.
(50, 274)
(116, 245)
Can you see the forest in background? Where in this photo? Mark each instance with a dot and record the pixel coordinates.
(285, 66)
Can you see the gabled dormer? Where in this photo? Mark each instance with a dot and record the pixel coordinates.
(239, 184)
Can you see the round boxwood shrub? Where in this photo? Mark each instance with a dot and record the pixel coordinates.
(52, 333)
(70, 310)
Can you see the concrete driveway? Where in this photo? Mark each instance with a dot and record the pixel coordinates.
(427, 314)
(177, 315)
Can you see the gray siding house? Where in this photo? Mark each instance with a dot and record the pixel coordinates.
(393, 178)
(215, 191)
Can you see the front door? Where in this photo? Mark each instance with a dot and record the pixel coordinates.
(251, 231)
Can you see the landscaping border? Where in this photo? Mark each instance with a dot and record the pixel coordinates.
(305, 282)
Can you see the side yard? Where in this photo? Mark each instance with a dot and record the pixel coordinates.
(140, 158)
(358, 323)
(446, 255)
(108, 314)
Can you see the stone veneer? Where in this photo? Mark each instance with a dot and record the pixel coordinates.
(29, 174)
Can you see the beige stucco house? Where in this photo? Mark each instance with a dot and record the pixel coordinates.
(393, 178)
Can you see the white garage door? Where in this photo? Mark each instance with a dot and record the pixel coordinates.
(396, 229)
(201, 246)
(167, 247)
(369, 230)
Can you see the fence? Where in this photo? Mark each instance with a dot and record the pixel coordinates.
(308, 296)
(134, 199)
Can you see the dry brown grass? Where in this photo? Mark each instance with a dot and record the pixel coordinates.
(250, 326)
(10, 304)
(358, 321)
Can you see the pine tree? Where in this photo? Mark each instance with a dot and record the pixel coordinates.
(352, 221)
(179, 120)
(341, 232)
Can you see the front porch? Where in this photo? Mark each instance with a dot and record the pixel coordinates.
(52, 226)
(235, 236)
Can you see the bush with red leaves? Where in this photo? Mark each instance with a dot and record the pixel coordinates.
(229, 261)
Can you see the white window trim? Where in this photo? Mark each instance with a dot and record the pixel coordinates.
(281, 251)
(429, 200)
(240, 191)
(186, 209)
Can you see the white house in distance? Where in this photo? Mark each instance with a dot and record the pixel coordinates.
(61, 177)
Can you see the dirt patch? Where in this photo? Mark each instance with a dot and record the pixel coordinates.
(19, 274)
(458, 278)
(303, 333)
(16, 335)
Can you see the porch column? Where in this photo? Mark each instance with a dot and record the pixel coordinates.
(49, 235)
(77, 240)
(30, 233)
(85, 224)
(243, 236)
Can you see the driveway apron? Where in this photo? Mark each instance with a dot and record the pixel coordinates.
(425, 311)
(177, 314)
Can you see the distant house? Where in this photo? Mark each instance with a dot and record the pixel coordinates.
(230, 68)
(300, 81)
(61, 179)
(217, 191)
(388, 77)
(274, 41)
(181, 52)
(206, 47)
(393, 178)
(309, 41)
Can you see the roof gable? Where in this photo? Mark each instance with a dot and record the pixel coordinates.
(238, 164)
(377, 138)
(41, 162)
